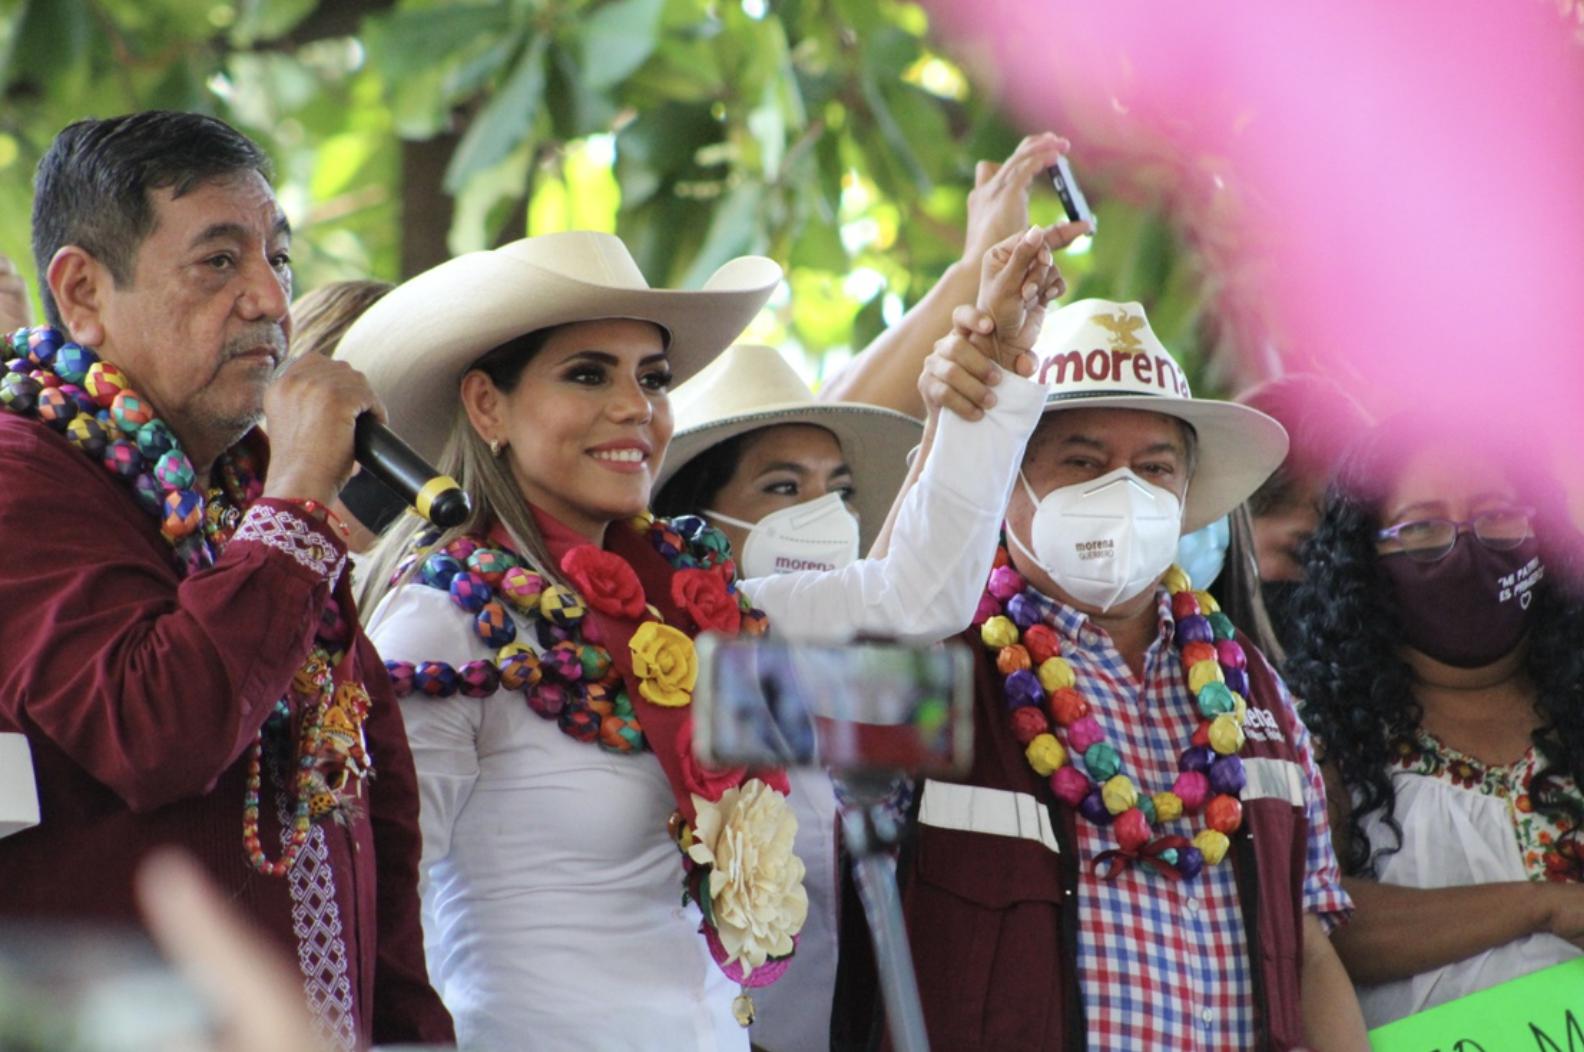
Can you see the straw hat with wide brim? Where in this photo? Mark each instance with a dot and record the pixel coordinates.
(1096, 354)
(751, 387)
(417, 342)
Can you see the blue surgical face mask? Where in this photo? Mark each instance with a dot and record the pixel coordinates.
(1202, 553)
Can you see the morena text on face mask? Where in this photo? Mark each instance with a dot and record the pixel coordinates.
(786, 565)
(1103, 366)
(1096, 549)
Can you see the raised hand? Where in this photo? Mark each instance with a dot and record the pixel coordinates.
(961, 370)
(1018, 280)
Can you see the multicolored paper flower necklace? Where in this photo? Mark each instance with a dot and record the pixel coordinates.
(91, 402)
(752, 910)
(1053, 722)
(568, 678)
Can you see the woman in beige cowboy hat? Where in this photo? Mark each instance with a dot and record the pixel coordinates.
(569, 881)
(801, 487)
(553, 881)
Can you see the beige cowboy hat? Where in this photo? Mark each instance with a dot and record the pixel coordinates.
(420, 338)
(1096, 354)
(750, 387)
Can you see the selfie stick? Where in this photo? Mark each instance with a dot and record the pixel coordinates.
(871, 832)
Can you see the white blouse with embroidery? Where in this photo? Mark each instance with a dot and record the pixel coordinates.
(1465, 822)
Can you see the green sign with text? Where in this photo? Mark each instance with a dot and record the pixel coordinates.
(1541, 1012)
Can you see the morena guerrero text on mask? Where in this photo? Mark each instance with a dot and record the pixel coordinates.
(1101, 365)
(1096, 549)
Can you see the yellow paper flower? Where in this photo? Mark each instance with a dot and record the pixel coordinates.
(1055, 674)
(756, 891)
(1212, 845)
(998, 631)
(666, 663)
(1045, 754)
(1168, 806)
(1201, 673)
(1226, 737)
(1118, 794)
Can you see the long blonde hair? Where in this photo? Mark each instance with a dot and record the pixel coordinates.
(485, 477)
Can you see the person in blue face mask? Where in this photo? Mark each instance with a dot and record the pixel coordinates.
(1202, 553)
(1263, 563)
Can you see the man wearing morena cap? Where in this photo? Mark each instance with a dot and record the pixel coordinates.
(1139, 857)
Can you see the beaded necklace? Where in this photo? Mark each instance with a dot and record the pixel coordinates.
(1053, 722)
(568, 678)
(91, 402)
(572, 680)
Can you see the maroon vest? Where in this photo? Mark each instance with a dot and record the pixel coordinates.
(993, 919)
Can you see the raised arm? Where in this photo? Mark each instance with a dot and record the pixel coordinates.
(942, 536)
(886, 372)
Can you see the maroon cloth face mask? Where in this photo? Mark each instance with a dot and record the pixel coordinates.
(1469, 607)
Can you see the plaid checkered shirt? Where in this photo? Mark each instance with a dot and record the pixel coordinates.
(1165, 964)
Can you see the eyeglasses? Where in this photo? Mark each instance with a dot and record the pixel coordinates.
(1427, 540)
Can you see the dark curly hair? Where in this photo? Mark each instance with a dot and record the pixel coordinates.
(1357, 691)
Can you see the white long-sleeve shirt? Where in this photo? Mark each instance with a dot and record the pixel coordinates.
(928, 584)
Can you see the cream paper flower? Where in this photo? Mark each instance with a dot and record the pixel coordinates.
(756, 891)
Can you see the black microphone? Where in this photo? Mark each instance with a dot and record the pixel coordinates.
(436, 497)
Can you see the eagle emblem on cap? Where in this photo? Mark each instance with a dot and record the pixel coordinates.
(1123, 328)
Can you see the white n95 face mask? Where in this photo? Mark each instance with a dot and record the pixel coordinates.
(819, 534)
(1106, 540)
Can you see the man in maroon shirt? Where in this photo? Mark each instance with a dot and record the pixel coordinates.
(180, 701)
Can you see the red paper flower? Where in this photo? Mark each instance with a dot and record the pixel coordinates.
(700, 778)
(605, 581)
(702, 593)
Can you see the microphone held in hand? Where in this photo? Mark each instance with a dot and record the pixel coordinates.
(436, 497)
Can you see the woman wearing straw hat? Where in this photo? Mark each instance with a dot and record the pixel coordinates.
(801, 487)
(559, 908)
(555, 901)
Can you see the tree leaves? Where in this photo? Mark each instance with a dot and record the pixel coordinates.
(700, 128)
(505, 120)
(617, 38)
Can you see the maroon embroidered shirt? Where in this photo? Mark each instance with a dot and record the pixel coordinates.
(140, 695)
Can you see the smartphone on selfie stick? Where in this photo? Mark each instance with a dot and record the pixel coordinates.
(1072, 196)
(868, 712)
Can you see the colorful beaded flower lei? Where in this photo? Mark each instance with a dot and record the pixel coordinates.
(565, 677)
(1053, 722)
(572, 680)
(90, 402)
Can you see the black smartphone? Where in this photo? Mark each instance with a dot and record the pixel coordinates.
(856, 707)
(1072, 196)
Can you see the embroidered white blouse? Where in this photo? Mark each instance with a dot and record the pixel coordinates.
(1464, 822)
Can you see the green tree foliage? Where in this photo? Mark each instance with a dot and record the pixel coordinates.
(832, 135)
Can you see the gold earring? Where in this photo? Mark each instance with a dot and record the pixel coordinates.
(495, 447)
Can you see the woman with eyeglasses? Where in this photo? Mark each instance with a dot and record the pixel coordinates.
(1438, 652)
